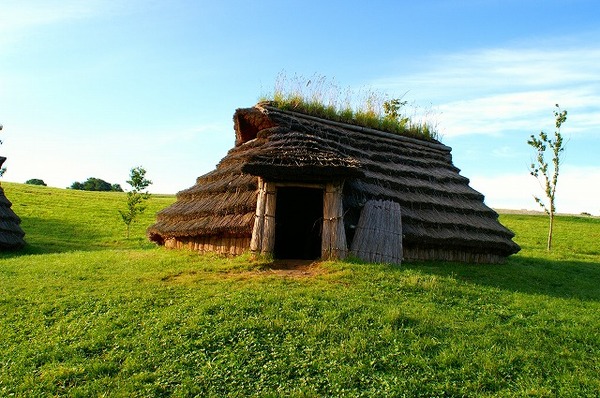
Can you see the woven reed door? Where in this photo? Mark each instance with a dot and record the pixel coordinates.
(333, 245)
(378, 237)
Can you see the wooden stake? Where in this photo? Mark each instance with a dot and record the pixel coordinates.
(268, 239)
(333, 243)
(259, 218)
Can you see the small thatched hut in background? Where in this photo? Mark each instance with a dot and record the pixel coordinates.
(294, 186)
(11, 234)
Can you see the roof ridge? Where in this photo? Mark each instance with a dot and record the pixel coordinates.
(430, 144)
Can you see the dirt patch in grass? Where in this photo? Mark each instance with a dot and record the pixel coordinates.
(294, 268)
(279, 268)
(179, 277)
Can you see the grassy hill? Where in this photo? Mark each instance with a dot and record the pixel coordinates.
(86, 312)
(60, 220)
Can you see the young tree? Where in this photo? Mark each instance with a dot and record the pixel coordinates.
(540, 167)
(137, 197)
(391, 108)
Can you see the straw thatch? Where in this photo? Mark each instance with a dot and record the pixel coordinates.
(442, 216)
(11, 234)
(378, 237)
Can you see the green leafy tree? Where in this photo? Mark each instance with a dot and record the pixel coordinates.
(391, 109)
(96, 184)
(540, 168)
(36, 181)
(137, 197)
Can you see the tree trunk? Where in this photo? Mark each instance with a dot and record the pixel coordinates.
(550, 231)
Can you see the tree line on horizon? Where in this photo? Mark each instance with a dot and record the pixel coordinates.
(96, 184)
(91, 184)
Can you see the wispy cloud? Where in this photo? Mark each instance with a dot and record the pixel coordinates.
(522, 111)
(507, 94)
(19, 17)
(492, 91)
(519, 68)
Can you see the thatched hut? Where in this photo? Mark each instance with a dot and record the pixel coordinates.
(294, 186)
(11, 234)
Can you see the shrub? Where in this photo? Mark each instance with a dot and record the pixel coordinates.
(96, 184)
(36, 181)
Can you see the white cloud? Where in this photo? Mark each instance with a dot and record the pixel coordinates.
(522, 67)
(492, 91)
(500, 70)
(527, 111)
(577, 190)
(496, 114)
(507, 94)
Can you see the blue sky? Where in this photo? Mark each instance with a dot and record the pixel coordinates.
(93, 88)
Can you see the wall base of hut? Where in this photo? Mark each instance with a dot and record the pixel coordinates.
(231, 246)
(432, 254)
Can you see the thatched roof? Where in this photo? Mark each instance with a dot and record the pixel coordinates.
(11, 234)
(439, 208)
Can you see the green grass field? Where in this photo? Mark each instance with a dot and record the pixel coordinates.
(86, 312)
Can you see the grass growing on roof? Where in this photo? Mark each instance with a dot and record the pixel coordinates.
(320, 97)
(115, 318)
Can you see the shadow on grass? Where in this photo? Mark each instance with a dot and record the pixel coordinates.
(561, 279)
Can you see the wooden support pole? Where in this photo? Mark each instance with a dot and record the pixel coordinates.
(333, 244)
(259, 218)
(268, 239)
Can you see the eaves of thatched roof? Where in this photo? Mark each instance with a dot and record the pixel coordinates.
(440, 211)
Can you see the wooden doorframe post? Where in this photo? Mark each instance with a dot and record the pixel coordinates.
(333, 244)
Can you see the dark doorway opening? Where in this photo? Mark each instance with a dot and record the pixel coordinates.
(298, 223)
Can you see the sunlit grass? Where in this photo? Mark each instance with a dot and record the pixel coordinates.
(124, 318)
(57, 220)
